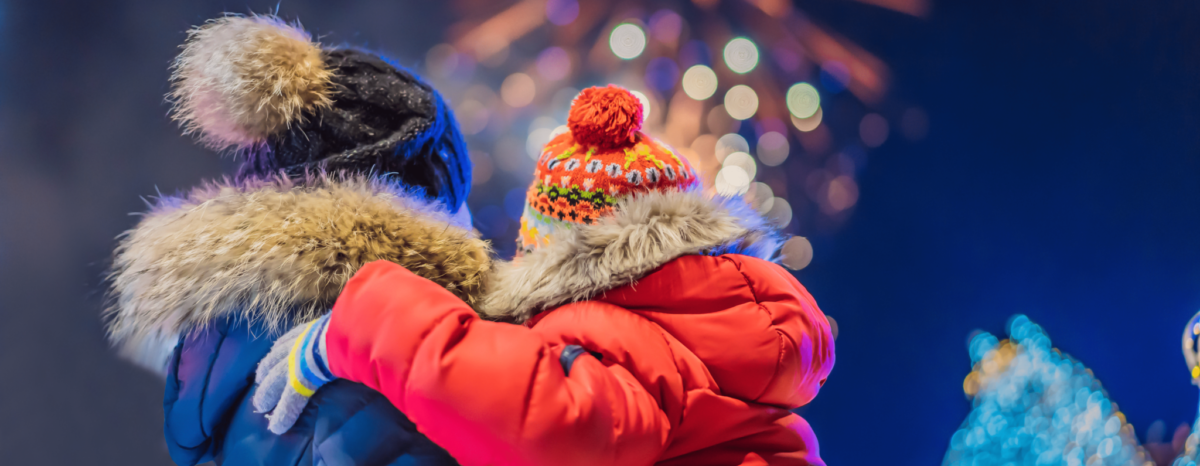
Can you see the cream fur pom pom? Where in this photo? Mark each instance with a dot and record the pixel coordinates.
(241, 79)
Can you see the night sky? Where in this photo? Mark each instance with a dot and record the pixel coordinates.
(1060, 178)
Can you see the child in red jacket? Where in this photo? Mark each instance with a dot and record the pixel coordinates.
(655, 329)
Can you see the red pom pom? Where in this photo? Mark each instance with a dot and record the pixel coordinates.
(605, 117)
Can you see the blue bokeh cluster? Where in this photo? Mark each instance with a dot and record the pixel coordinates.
(1035, 406)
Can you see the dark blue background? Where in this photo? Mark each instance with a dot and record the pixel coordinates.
(1060, 178)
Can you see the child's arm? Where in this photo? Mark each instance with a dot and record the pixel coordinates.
(489, 393)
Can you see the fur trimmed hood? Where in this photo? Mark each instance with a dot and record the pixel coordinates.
(275, 252)
(645, 232)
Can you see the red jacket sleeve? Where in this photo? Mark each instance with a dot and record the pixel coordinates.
(487, 392)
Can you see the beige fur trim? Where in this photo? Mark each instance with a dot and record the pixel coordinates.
(645, 232)
(275, 251)
(241, 79)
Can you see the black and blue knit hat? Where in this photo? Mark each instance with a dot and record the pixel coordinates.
(264, 88)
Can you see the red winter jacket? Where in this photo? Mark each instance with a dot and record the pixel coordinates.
(691, 358)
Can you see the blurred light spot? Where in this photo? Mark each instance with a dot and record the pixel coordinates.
(797, 254)
(729, 144)
(842, 164)
(543, 122)
(787, 60)
(492, 49)
(761, 197)
(665, 25)
(742, 160)
(700, 82)
(695, 52)
(817, 141)
(536, 142)
(741, 55)
(472, 116)
(481, 167)
(766, 125)
(741, 102)
(441, 60)
(773, 148)
(645, 103)
(554, 63)
(627, 41)
(662, 73)
(873, 130)
(810, 123)
(561, 102)
(780, 213)
(842, 194)
(705, 146)
(803, 100)
(833, 325)
(562, 12)
(510, 156)
(718, 121)
(732, 181)
(514, 203)
(518, 90)
(835, 76)
(914, 124)
(558, 130)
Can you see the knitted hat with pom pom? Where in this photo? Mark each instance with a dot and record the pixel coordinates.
(262, 87)
(603, 158)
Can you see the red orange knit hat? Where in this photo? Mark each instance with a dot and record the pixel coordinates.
(605, 157)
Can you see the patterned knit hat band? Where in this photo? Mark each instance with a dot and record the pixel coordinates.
(604, 158)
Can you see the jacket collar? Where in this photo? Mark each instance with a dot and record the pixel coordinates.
(273, 252)
(645, 232)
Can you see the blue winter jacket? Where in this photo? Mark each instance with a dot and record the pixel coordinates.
(209, 416)
(199, 267)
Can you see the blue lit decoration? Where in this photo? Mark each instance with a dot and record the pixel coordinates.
(1034, 405)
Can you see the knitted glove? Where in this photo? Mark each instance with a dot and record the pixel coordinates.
(294, 369)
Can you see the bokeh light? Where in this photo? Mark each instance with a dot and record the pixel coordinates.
(662, 73)
(700, 82)
(562, 12)
(780, 213)
(441, 60)
(729, 144)
(741, 55)
(873, 130)
(719, 121)
(741, 102)
(518, 90)
(482, 167)
(627, 41)
(554, 63)
(742, 160)
(803, 100)
(841, 194)
(472, 116)
(645, 103)
(772, 148)
(797, 253)
(810, 123)
(761, 197)
(665, 26)
(537, 141)
(732, 180)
